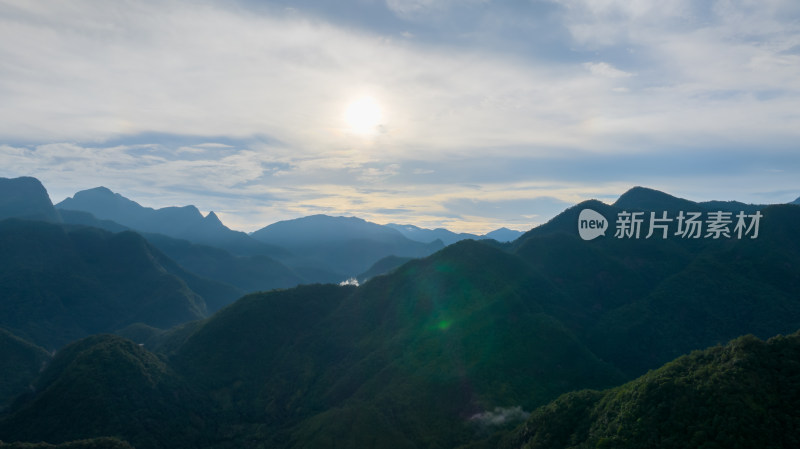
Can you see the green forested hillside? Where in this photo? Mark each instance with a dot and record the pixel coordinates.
(742, 395)
(59, 284)
(105, 385)
(456, 348)
(20, 363)
(640, 303)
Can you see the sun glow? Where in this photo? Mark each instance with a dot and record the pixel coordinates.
(363, 116)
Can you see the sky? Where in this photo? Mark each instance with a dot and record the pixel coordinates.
(464, 114)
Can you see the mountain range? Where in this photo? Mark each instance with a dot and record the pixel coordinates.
(185, 222)
(317, 248)
(345, 246)
(472, 346)
(449, 237)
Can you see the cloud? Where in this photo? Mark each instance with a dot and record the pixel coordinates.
(491, 105)
(606, 70)
(500, 416)
(101, 70)
(414, 8)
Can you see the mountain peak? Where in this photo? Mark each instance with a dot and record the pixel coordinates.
(644, 198)
(213, 218)
(503, 234)
(98, 201)
(26, 197)
(98, 190)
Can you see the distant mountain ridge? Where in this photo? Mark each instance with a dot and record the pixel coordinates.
(345, 246)
(503, 235)
(184, 222)
(429, 235)
(27, 198)
(643, 198)
(450, 237)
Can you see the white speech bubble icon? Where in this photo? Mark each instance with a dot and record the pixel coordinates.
(591, 224)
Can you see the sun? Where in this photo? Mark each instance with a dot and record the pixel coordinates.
(363, 116)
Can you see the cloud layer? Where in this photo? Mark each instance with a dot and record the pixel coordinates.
(487, 106)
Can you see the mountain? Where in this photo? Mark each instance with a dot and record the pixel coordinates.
(404, 360)
(345, 246)
(503, 235)
(642, 302)
(797, 201)
(321, 229)
(429, 235)
(77, 217)
(642, 198)
(79, 393)
(181, 222)
(242, 273)
(246, 273)
(383, 266)
(448, 237)
(26, 198)
(637, 199)
(456, 348)
(59, 284)
(743, 394)
(20, 363)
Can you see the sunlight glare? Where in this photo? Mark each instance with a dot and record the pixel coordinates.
(363, 116)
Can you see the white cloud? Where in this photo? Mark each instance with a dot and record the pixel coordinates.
(500, 416)
(662, 77)
(606, 70)
(96, 70)
(414, 8)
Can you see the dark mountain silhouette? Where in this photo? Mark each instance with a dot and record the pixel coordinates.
(641, 302)
(383, 266)
(503, 235)
(20, 363)
(345, 246)
(77, 217)
(246, 273)
(321, 229)
(566, 222)
(181, 222)
(243, 274)
(79, 392)
(636, 199)
(429, 235)
(642, 198)
(59, 284)
(448, 237)
(26, 198)
(743, 394)
(455, 348)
